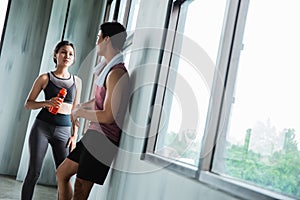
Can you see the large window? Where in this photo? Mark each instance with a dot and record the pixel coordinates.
(189, 80)
(131, 16)
(226, 105)
(128, 16)
(261, 138)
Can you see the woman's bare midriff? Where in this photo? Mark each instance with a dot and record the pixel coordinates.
(65, 109)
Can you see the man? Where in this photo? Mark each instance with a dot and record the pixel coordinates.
(94, 153)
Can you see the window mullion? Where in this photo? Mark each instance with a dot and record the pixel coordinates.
(230, 45)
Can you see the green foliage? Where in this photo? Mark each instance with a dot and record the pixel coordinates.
(279, 172)
(183, 145)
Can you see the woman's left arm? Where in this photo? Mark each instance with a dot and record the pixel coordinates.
(75, 123)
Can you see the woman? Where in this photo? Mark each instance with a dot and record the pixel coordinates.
(94, 153)
(55, 129)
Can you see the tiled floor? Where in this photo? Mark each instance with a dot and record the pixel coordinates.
(10, 189)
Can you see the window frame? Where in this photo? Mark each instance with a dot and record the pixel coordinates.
(4, 25)
(170, 39)
(219, 105)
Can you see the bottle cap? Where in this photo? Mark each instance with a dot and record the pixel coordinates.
(63, 91)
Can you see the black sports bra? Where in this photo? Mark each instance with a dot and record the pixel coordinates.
(52, 88)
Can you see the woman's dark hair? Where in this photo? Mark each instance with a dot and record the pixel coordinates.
(60, 45)
(116, 30)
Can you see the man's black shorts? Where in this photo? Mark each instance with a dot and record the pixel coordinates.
(94, 154)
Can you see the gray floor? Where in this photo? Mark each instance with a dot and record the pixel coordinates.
(11, 189)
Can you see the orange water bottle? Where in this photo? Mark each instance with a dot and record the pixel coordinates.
(62, 94)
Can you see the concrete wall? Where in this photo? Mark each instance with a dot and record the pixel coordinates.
(20, 61)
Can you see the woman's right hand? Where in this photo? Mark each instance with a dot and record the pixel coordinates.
(54, 101)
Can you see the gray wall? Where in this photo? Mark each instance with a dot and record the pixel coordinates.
(20, 61)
